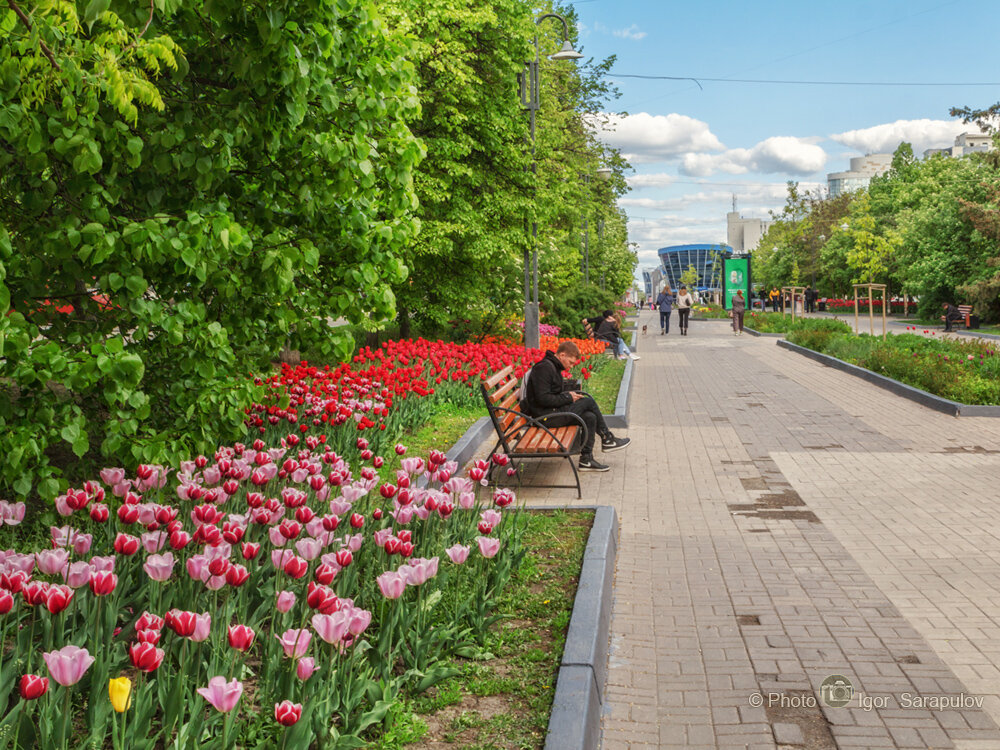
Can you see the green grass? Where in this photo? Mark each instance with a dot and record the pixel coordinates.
(504, 701)
(605, 381)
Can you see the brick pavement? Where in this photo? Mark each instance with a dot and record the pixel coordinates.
(782, 522)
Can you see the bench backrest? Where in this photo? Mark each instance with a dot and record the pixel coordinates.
(588, 328)
(965, 309)
(500, 391)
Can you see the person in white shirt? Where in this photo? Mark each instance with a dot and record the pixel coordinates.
(684, 304)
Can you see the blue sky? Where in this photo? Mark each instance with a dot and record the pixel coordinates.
(692, 147)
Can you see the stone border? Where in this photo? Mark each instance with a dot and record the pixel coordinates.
(619, 419)
(575, 719)
(754, 332)
(900, 389)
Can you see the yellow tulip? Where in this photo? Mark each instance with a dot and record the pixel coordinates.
(120, 692)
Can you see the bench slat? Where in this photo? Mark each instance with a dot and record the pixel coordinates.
(498, 377)
(510, 385)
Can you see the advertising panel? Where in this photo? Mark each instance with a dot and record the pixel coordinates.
(735, 275)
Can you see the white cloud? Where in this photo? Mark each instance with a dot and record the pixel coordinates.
(922, 134)
(632, 32)
(656, 180)
(775, 155)
(644, 138)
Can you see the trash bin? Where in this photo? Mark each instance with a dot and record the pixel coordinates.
(821, 305)
(973, 321)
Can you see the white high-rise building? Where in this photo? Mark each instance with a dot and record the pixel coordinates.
(744, 234)
(863, 168)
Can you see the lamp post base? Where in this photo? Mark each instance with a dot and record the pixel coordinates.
(531, 337)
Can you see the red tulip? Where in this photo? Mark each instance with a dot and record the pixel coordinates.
(241, 637)
(128, 514)
(99, 513)
(357, 520)
(58, 598)
(146, 657)
(377, 514)
(287, 713)
(179, 540)
(289, 529)
(126, 544)
(219, 566)
(295, 567)
(32, 686)
(304, 514)
(405, 549)
(250, 550)
(237, 575)
(181, 622)
(149, 621)
(102, 582)
(325, 574)
(148, 636)
(485, 528)
(6, 601)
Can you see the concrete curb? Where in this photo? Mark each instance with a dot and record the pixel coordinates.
(753, 332)
(619, 420)
(575, 720)
(900, 389)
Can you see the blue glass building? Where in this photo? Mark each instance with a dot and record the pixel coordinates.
(707, 260)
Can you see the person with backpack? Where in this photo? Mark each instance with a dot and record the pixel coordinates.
(544, 398)
(665, 302)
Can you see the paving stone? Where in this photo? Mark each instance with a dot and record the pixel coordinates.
(893, 580)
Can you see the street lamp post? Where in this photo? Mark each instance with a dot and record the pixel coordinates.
(530, 101)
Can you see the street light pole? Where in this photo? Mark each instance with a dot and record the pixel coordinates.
(530, 101)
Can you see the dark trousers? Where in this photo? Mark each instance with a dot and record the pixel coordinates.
(588, 410)
(665, 320)
(683, 313)
(737, 321)
(774, 305)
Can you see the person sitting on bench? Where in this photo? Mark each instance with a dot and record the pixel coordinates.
(951, 315)
(606, 329)
(544, 394)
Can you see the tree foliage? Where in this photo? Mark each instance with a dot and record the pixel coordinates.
(182, 190)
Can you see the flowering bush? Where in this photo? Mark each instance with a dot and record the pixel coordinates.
(896, 306)
(265, 596)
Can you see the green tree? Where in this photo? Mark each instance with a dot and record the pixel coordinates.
(200, 183)
(690, 277)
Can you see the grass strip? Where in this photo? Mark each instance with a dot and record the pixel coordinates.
(504, 699)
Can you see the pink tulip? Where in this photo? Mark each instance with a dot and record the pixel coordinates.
(11, 514)
(112, 476)
(159, 567)
(52, 561)
(359, 622)
(488, 547)
(308, 548)
(295, 642)
(466, 501)
(68, 665)
(202, 627)
(391, 584)
(103, 563)
(305, 667)
(77, 574)
(277, 538)
(221, 694)
(153, 541)
(458, 553)
(419, 570)
(331, 628)
(286, 600)
(82, 543)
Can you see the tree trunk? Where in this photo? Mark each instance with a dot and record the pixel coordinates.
(404, 322)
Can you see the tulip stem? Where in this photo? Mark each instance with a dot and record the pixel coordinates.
(67, 710)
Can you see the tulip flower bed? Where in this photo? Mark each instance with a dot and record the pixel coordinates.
(967, 370)
(847, 305)
(383, 392)
(271, 596)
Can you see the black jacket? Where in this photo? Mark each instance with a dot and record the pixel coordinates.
(604, 330)
(545, 388)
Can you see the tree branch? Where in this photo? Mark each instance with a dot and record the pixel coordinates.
(27, 22)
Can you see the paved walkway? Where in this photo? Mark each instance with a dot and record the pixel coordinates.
(782, 522)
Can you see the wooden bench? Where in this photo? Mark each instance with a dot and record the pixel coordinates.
(966, 312)
(521, 436)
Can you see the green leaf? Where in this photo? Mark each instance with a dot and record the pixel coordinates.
(93, 11)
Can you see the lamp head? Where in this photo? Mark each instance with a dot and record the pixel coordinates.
(604, 173)
(567, 52)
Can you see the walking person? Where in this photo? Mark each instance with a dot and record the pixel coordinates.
(775, 296)
(665, 302)
(739, 308)
(684, 304)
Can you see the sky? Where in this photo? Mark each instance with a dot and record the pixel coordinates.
(693, 146)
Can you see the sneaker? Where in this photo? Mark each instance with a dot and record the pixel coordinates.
(589, 463)
(615, 444)
(634, 357)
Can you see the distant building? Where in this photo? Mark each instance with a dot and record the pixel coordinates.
(744, 234)
(863, 168)
(652, 281)
(707, 260)
(966, 143)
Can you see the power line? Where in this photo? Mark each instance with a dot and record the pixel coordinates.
(698, 81)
